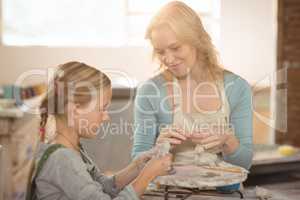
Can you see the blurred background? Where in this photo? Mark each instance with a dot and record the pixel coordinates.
(256, 39)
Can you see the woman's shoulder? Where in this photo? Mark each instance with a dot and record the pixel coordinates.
(237, 90)
(235, 84)
(152, 85)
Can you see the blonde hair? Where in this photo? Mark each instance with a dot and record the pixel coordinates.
(188, 28)
(57, 97)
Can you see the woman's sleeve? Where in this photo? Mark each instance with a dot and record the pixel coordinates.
(241, 119)
(66, 171)
(145, 121)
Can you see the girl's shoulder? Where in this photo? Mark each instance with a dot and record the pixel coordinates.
(60, 155)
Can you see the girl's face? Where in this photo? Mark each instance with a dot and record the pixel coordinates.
(89, 118)
(178, 57)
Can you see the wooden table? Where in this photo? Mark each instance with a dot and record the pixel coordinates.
(249, 194)
(282, 186)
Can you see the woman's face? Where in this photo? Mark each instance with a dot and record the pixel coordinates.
(90, 117)
(178, 57)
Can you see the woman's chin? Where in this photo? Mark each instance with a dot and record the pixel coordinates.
(180, 74)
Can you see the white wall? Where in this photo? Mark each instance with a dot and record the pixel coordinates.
(247, 47)
(248, 37)
(16, 60)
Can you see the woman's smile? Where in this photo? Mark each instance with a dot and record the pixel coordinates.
(175, 66)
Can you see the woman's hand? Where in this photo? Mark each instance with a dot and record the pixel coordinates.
(226, 143)
(173, 135)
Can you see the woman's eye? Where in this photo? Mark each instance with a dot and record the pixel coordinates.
(174, 48)
(159, 52)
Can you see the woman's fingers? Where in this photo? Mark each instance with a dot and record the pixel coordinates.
(172, 141)
(182, 132)
(196, 141)
(200, 135)
(214, 141)
(210, 139)
(203, 141)
(212, 144)
(174, 134)
(177, 135)
(209, 142)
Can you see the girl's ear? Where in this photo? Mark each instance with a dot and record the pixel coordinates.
(72, 109)
(73, 113)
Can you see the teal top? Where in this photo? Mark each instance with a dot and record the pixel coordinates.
(152, 110)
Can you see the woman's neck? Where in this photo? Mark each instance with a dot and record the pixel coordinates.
(195, 77)
(200, 74)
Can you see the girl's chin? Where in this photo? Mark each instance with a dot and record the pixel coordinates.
(90, 135)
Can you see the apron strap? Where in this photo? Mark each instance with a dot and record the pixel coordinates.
(31, 188)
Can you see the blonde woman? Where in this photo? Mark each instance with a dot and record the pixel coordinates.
(79, 100)
(192, 88)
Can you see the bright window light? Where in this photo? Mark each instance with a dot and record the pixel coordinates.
(89, 22)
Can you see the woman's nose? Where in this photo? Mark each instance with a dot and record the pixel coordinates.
(168, 58)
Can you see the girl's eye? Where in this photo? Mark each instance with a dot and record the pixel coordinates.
(102, 110)
(105, 109)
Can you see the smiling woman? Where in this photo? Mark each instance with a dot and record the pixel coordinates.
(202, 105)
(171, 52)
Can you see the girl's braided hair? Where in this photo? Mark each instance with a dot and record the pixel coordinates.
(61, 89)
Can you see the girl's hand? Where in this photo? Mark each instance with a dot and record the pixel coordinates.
(173, 135)
(158, 166)
(141, 160)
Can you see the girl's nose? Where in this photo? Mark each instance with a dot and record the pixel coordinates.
(106, 117)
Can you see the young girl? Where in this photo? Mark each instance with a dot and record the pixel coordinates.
(78, 101)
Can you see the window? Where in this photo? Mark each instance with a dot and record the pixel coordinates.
(89, 22)
(140, 12)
